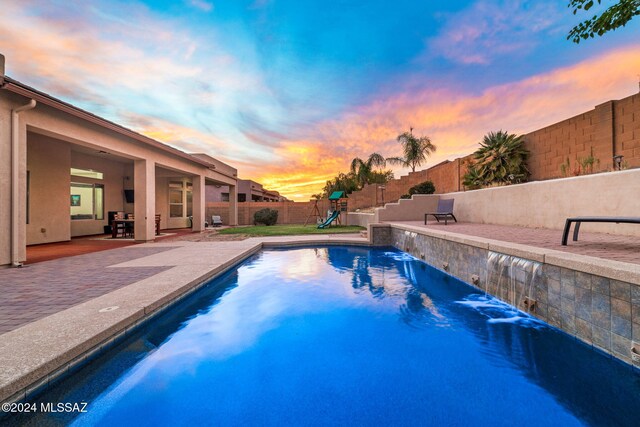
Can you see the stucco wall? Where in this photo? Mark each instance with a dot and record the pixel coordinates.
(48, 163)
(162, 201)
(548, 203)
(361, 219)
(409, 209)
(5, 180)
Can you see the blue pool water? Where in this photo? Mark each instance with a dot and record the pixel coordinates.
(347, 336)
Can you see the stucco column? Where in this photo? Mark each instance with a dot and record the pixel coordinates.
(233, 205)
(20, 236)
(144, 185)
(198, 203)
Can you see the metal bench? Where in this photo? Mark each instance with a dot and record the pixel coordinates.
(580, 219)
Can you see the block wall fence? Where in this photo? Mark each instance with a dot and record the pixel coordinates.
(610, 129)
(288, 212)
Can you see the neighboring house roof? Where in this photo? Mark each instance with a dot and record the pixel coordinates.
(19, 88)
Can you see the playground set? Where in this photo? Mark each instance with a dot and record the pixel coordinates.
(338, 200)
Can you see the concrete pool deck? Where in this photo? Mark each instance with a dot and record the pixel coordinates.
(77, 306)
(58, 313)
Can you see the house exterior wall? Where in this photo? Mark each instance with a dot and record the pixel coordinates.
(48, 163)
(7, 103)
(162, 200)
(247, 189)
(52, 121)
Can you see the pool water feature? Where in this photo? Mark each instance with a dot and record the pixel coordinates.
(512, 279)
(346, 336)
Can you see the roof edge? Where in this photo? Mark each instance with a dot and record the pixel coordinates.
(19, 88)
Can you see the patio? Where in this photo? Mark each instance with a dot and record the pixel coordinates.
(88, 244)
(600, 245)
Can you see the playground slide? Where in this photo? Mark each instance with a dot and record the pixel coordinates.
(334, 215)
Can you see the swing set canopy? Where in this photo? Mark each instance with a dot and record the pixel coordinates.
(337, 195)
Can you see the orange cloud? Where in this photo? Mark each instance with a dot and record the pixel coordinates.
(454, 121)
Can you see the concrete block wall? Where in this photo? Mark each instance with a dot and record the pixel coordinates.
(288, 212)
(445, 176)
(627, 129)
(611, 128)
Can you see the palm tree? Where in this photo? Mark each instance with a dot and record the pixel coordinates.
(502, 158)
(415, 150)
(363, 170)
(473, 179)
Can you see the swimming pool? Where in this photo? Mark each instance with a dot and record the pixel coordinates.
(346, 336)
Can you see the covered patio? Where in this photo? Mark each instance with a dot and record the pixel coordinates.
(73, 172)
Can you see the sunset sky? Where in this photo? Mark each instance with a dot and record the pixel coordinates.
(289, 91)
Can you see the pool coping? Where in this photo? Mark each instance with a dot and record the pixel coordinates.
(39, 353)
(617, 270)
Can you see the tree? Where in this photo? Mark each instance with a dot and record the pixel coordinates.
(342, 182)
(501, 159)
(415, 151)
(614, 17)
(363, 170)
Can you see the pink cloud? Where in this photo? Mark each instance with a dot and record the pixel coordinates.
(454, 121)
(487, 30)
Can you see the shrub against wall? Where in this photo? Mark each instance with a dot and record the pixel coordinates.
(500, 160)
(426, 187)
(265, 216)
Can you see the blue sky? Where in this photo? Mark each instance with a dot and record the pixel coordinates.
(290, 91)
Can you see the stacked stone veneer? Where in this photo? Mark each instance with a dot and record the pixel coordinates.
(599, 311)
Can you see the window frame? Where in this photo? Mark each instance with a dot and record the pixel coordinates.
(95, 216)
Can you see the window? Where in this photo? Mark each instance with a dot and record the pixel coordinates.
(242, 197)
(87, 201)
(225, 197)
(175, 199)
(180, 199)
(87, 173)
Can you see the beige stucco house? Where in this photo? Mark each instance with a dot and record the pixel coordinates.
(63, 169)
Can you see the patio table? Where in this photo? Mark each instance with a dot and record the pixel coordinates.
(114, 226)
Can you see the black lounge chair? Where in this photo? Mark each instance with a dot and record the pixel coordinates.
(444, 211)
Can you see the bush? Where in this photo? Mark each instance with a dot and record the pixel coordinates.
(426, 187)
(405, 196)
(265, 216)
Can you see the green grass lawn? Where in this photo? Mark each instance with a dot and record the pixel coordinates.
(286, 230)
